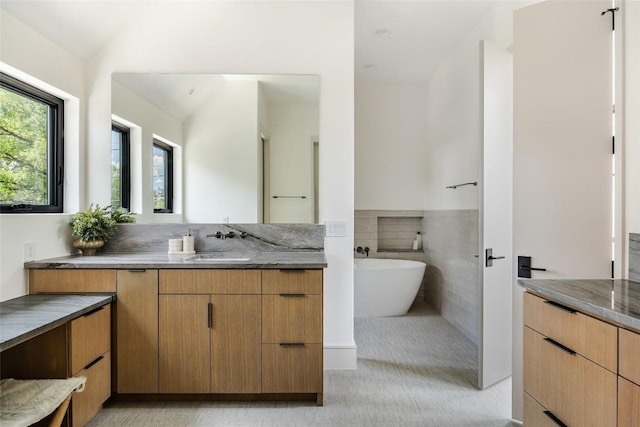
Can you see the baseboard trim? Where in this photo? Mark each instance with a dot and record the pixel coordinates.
(340, 356)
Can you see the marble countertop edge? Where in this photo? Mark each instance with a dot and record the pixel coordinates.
(264, 260)
(598, 298)
(19, 323)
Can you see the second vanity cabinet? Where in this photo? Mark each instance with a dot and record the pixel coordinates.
(209, 323)
(578, 370)
(570, 365)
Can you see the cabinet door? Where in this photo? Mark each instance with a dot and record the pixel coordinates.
(628, 403)
(291, 318)
(235, 344)
(629, 351)
(184, 344)
(137, 331)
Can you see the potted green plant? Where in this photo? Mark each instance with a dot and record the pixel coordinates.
(122, 216)
(95, 225)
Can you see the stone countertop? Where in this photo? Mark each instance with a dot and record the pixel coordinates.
(28, 316)
(221, 260)
(616, 301)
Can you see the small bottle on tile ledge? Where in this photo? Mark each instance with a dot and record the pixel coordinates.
(418, 241)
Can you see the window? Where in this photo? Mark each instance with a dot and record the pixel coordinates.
(162, 177)
(120, 170)
(31, 148)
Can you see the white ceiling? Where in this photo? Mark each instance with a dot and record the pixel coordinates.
(420, 33)
(181, 94)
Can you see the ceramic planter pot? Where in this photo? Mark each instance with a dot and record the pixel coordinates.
(88, 247)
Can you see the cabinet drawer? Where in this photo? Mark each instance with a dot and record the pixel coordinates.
(90, 337)
(628, 403)
(292, 281)
(629, 355)
(210, 282)
(291, 318)
(578, 391)
(292, 369)
(534, 414)
(85, 405)
(591, 338)
(71, 281)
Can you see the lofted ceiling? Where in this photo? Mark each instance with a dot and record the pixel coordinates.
(395, 40)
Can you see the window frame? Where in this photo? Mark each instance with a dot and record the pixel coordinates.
(168, 177)
(55, 147)
(125, 164)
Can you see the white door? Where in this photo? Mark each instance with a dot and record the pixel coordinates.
(562, 147)
(494, 351)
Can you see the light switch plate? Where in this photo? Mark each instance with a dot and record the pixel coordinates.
(336, 228)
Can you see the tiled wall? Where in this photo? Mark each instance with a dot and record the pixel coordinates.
(452, 277)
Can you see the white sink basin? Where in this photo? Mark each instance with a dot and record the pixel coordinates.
(209, 258)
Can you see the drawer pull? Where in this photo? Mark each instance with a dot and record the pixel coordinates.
(561, 307)
(210, 315)
(292, 295)
(291, 344)
(94, 311)
(555, 419)
(94, 362)
(137, 270)
(560, 346)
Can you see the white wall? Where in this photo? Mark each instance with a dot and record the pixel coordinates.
(221, 156)
(147, 120)
(265, 38)
(292, 129)
(30, 56)
(391, 135)
(454, 115)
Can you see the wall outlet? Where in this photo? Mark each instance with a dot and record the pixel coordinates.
(336, 229)
(29, 251)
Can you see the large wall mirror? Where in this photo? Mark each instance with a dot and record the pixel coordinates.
(246, 146)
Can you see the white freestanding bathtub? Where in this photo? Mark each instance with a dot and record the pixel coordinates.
(385, 287)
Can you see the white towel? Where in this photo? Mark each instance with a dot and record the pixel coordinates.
(24, 402)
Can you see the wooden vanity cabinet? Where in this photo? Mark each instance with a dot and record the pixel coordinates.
(570, 365)
(137, 331)
(292, 348)
(209, 323)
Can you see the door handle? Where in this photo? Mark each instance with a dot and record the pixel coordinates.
(488, 259)
(524, 267)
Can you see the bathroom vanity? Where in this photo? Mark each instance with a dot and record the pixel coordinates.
(193, 328)
(581, 347)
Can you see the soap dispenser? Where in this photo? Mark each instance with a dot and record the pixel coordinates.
(418, 241)
(188, 243)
